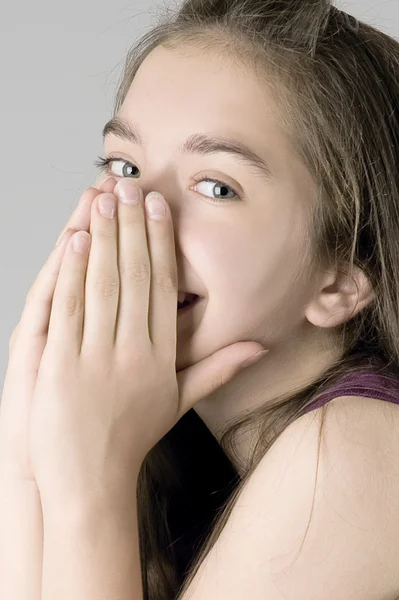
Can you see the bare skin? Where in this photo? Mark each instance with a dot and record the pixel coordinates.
(21, 518)
(242, 257)
(238, 255)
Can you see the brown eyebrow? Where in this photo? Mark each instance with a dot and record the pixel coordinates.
(196, 144)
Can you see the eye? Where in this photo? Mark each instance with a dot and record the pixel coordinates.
(104, 165)
(218, 184)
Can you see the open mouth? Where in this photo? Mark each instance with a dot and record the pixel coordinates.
(189, 302)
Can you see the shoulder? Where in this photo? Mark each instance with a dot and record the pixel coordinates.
(345, 483)
(315, 521)
(358, 434)
(359, 439)
(354, 453)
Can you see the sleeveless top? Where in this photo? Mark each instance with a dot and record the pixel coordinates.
(360, 383)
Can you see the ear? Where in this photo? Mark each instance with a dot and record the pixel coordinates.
(340, 297)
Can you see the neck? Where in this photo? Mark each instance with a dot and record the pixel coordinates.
(286, 369)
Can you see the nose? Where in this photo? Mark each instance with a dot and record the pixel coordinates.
(107, 184)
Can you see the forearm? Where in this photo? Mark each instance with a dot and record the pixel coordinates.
(21, 540)
(92, 552)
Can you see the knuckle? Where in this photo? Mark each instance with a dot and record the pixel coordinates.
(105, 233)
(137, 272)
(90, 192)
(166, 281)
(65, 232)
(107, 286)
(71, 230)
(68, 229)
(72, 305)
(101, 182)
(96, 187)
(132, 217)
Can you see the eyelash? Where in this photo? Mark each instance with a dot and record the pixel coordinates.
(103, 164)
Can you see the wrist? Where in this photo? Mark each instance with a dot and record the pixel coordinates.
(90, 504)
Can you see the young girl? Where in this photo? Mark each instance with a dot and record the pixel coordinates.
(271, 130)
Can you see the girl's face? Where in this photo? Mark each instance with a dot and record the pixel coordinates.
(240, 244)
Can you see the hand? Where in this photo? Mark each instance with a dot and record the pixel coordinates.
(107, 389)
(26, 347)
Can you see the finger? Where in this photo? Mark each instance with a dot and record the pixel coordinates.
(108, 185)
(66, 319)
(80, 218)
(36, 313)
(164, 294)
(34, 322)
(35, 319)
(134, 270)
(102, 280)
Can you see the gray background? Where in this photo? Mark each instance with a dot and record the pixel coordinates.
(60, 64)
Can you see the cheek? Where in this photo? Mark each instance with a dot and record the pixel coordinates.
(255, 273)
(243, 263)
(223, 260)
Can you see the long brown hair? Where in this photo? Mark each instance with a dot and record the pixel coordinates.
(337, 86)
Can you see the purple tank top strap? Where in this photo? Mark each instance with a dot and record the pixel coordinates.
(360, 383)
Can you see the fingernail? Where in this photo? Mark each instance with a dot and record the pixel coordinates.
(254, 358)
(81, 241)
(127, 192)
(107, 206)
(155, 206)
